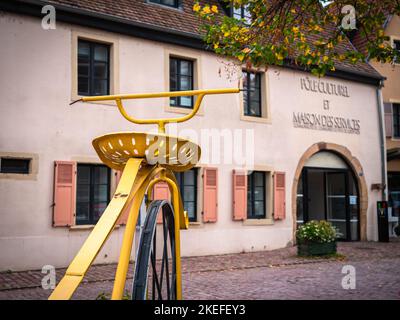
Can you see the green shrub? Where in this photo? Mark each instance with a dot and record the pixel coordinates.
(316, 232)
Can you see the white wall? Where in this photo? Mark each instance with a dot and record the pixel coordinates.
(35, 88)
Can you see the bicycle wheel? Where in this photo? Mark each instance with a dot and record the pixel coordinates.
(156, 279)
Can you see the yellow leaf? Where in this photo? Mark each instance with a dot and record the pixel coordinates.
(196, 7)
(279, 56)
(246, 50)
(325, 58)
(206, 10)
(214, 9)
(240, 57)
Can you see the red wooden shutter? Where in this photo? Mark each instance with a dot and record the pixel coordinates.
(210, 194)
(279, 196)
(124, 216)
(388, 119)
(161, 192)
(64, 193)
(239, 195)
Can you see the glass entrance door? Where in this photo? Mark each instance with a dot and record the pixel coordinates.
(336, 201)
(331, 195)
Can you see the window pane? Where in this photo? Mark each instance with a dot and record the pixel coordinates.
(100, 193)
(186, 102)
(237, 13)
(173, 66)
(259, 193)
(173, 85)
(83, 49)
(190, 208)
(101, 53)
(100, 175)
(255, 108)
(98, 209)
(15, 165)
(259, 208)
(189, 193)
(185, 83)
(100, 70)
(245, 79)
(100, 87)
(83, 69)
(255, 95)
(83, 193)
(258, 179)
(189, 177)
(173, 101)
(186, 68)
(83, 175)
(82, 212)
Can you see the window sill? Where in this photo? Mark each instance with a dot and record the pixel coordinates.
(182, 110)
(194, 224)
(258, 222)
(255, 119)
(86, 227)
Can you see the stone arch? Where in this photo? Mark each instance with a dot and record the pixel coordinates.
(352, 162)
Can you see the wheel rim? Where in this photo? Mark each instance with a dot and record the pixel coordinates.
(154, 278)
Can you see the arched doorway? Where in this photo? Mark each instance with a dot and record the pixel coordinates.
(329, 184)
(328, 191)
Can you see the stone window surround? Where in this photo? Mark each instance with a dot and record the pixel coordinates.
(33, 166)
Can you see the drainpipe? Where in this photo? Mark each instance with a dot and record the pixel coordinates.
(382, 137)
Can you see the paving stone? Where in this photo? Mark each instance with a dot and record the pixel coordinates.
(277, 274)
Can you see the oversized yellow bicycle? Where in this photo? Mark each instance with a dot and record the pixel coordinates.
(144, 159)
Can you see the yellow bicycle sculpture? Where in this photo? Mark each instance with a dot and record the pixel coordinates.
(144, 159)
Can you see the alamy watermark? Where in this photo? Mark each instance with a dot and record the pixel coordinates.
(49, 280)
(349, 280)
(49, 20)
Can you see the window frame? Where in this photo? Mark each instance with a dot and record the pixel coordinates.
(28, 166)
(181, 185)
(178, 3)
(395, 40)
(91, 78)
(91, 220)
(178, 76)
(396, 119)
(247, 18)
(248, 90)
(251, 189)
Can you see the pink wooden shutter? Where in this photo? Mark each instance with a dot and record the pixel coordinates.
(239, 195)
(161, 192)
(210, 194)
(388, 119)
(279, 196)
(124, 216)
(64, 193)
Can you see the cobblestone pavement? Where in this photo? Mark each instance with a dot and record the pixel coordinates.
(277, 274)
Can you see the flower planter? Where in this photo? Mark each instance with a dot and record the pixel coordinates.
(316, 249)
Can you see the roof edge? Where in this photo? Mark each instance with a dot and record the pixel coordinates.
(146, 31)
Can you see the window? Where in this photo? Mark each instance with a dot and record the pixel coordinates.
(93, 68)
(187, 182)
(396, 120)
(396, 45)
(92, 192)
(15, 165)
(181, 79)
(169, 3)
(252, 94)
(256, 195)
(242, 13)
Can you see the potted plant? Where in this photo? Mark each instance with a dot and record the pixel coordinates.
(316, 238)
